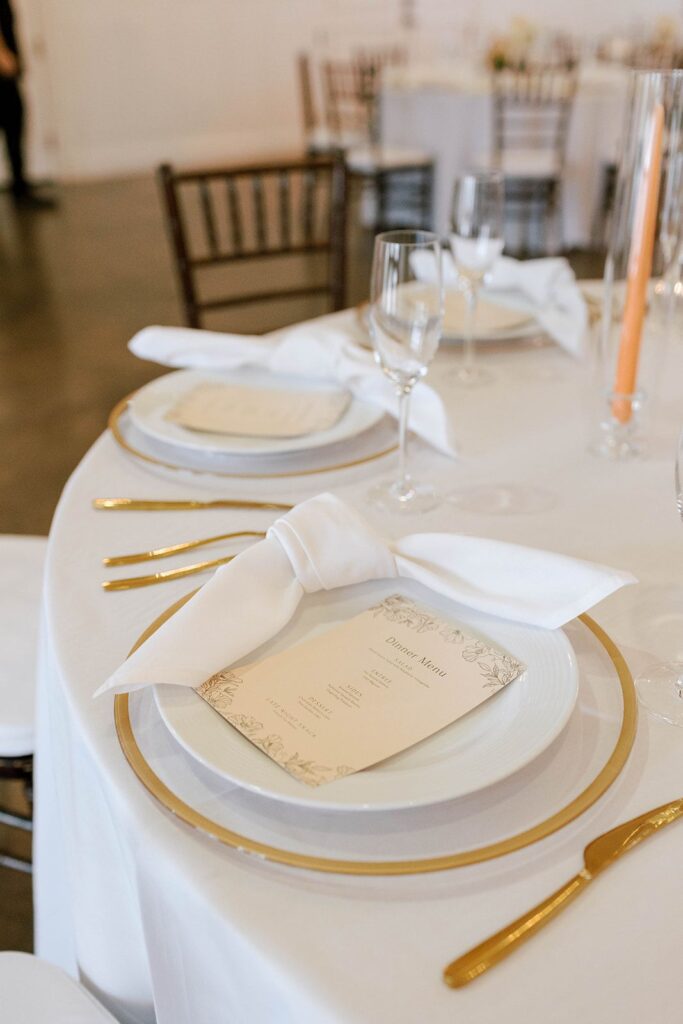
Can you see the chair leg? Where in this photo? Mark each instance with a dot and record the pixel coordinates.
(16, 863)
(526, 229)
(25, 823)
(427, 192)
(22, 821)
(19, 769)
(381, 192)
(559, 219)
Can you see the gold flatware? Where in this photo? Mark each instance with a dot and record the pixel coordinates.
(597, 856)
(174, 549)
(162, 577)
(143, 505)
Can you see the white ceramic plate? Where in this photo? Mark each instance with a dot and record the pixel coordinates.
(149, 406)
(496, 321)
(493, 741)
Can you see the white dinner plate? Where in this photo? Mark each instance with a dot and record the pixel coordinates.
(150, 405)
(497, 320)
(494, 740)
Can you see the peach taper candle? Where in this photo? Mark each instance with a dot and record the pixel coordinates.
(639, 269)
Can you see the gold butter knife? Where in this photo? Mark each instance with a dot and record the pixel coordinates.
(143, 505)
(597, 856)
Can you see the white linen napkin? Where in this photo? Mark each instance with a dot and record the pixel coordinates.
(544, 288)
(323, 544)
(553, 294)
(314, 350)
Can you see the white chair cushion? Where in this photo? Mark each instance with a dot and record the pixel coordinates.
(368, 159)
(522, 163)
(21, 583)
(33, 991)
(319, 140)
(529, 163)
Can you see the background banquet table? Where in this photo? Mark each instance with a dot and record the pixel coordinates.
(157, 917)
(449, 113)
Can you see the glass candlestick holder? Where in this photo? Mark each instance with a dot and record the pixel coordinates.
(644, 242)
(620, 437)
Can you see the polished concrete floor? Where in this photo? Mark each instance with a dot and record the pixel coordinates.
(75, 285)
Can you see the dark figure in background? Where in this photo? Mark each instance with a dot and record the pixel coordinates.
(12, 111)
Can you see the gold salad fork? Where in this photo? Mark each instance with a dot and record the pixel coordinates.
(175, 549)
(132, 582)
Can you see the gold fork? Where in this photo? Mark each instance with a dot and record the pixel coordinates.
(167, 574)
(174, 549)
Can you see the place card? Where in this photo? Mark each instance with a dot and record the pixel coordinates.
(362, 691)
(218, 408)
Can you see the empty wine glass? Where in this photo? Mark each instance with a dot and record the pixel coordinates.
(661, 689)
(476, 243)
(406, 314)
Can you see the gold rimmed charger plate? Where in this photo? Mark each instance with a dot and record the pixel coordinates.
(585, 799)
(119, 410)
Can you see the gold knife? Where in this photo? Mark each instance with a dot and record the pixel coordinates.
(597, 856)
(141, 505)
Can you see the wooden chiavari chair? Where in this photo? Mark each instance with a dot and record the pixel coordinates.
(263, 216)
(401, 180)
(653, 56)
(317, 139)
(22, 560)
(531, 111)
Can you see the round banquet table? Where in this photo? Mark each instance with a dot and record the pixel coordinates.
(164, 923)
(448, 113)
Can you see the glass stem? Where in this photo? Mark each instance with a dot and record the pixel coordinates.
(403, 485)
(678, 685)
(470, 324)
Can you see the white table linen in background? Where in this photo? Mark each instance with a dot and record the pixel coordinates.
(449, 114)
(151, 910)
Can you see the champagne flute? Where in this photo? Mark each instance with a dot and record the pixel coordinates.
(476, 243)
(661, 689)
(406, 314)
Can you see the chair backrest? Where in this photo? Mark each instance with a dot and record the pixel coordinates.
(286, 217)
(350, 92)
(531, 110)
(350, 96)
(656, 56)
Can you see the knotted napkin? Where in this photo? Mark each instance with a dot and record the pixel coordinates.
(323, 544)
(545, 289)
(316, 350)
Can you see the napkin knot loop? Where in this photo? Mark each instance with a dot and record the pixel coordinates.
(334, 547)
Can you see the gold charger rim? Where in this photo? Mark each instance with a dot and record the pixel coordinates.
(114, 424)
(588, 796)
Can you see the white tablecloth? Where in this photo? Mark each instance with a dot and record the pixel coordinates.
(150, 912)
(450, 115)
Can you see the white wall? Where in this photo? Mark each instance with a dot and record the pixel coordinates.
(116, 86)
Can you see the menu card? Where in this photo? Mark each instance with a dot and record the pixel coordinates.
(362, 691)
(258, 412)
